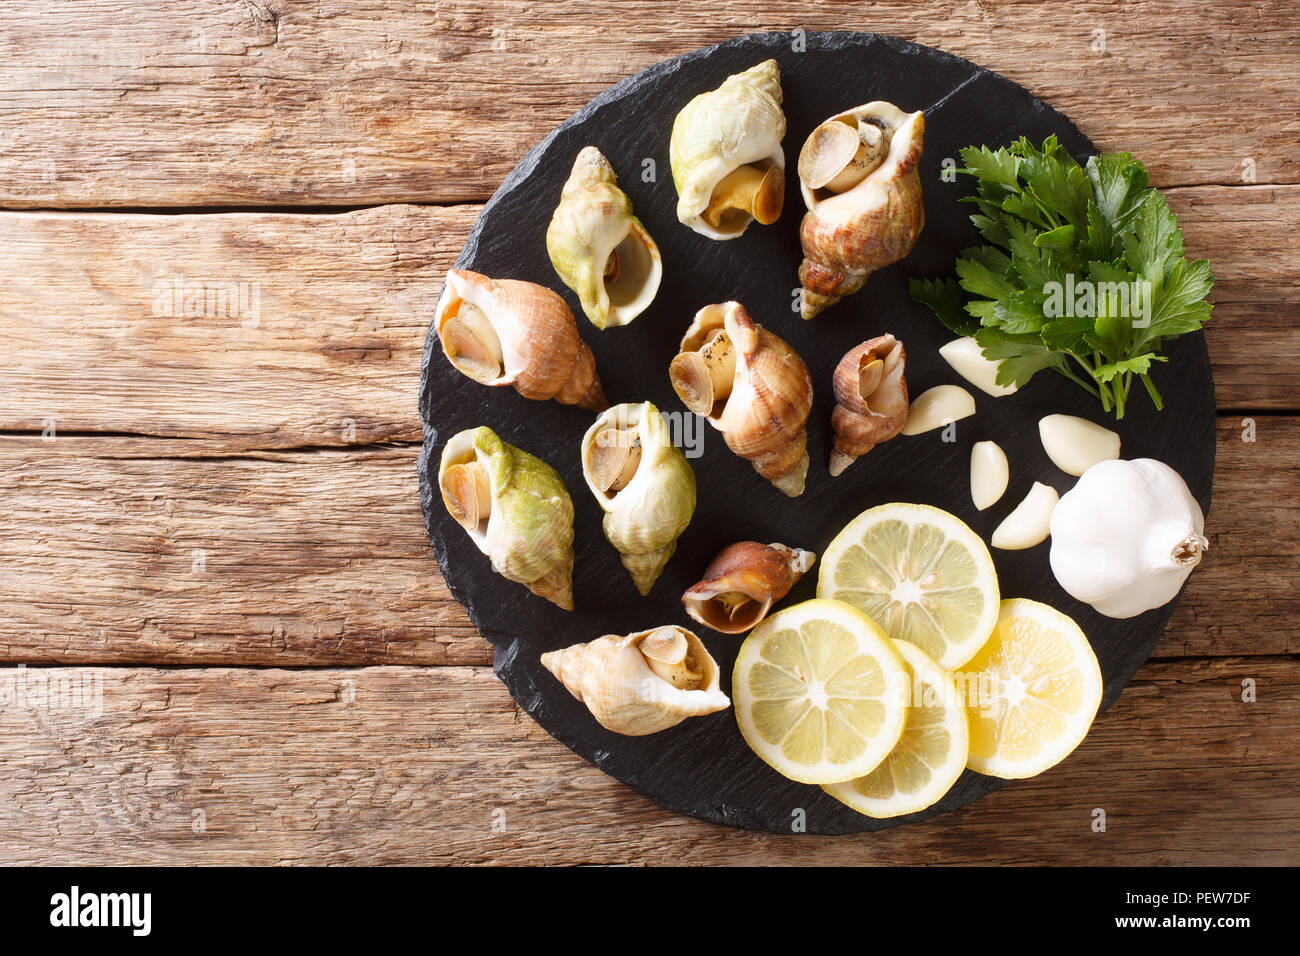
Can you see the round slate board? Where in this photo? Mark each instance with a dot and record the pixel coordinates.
(702, 766)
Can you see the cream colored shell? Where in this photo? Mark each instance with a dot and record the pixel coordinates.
(644, 519)
(717, 132)
(611, 677)
(594, 220)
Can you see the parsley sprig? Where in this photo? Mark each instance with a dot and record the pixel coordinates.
(1083, 272)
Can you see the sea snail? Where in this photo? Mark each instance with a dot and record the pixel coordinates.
(641, 683)
(858, 177)
(727, 161)
(515, 509)
(644, 484)
(742, 583)
(509, 332)
(599, 248)
(752, 387)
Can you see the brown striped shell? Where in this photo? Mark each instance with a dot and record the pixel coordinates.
(870, 399)
(510, 332)
(871, 224)
(764, 416)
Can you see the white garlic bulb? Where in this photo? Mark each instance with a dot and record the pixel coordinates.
(1126, 536)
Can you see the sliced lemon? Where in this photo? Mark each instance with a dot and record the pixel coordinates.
(928, 758)
(920, 573)
(1038, 688)
(820, 692)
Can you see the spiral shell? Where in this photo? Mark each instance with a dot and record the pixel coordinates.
(515, 508)
(644, 484)
(870, 399)
(742, 583)
(599, 248)
(864, 207)
(509, 332)
(728, 165)
(641, 683)
(752, 387)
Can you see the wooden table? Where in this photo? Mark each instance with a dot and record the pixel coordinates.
(237, 645)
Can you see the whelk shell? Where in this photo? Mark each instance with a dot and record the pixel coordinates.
(727, 161)
(599, 248)
(762, 411)
(515, 509)
(742, 583)
(510, 332)
(870, 399)
(859, 180)
(641, 683)
(644, 484)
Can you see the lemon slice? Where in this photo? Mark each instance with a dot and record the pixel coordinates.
(928, 758)
(820, 692)
(921, 574)
(1039, 688)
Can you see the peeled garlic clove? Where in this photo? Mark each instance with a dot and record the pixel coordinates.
(968, 361)
(988, 474)
(937, 407)
(1030, 523)
(1076, 444)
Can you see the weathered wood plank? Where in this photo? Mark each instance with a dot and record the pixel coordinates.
(324, 346)
(127, 551)
(351, 101)
(404, 765)
(109, 552)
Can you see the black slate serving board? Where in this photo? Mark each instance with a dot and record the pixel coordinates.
(702, 767)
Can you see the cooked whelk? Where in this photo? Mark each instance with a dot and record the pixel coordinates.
(509, 332)
(742, 583)
(762, 411)
(870, 399)
(515, 508)
(644, 484)
(728, 165)
(859, 181)
(599, 248)
(641, 683)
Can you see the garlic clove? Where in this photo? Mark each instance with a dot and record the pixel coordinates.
(1076, 444)
(1031, 521)
(988, 474)
(968, 361)
(937, 407)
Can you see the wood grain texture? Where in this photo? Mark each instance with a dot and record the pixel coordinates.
(403, 765)
(156, 551)
(365, 101)
(318, 341)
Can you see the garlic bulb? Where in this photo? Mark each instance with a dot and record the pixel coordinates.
(1126, 536)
